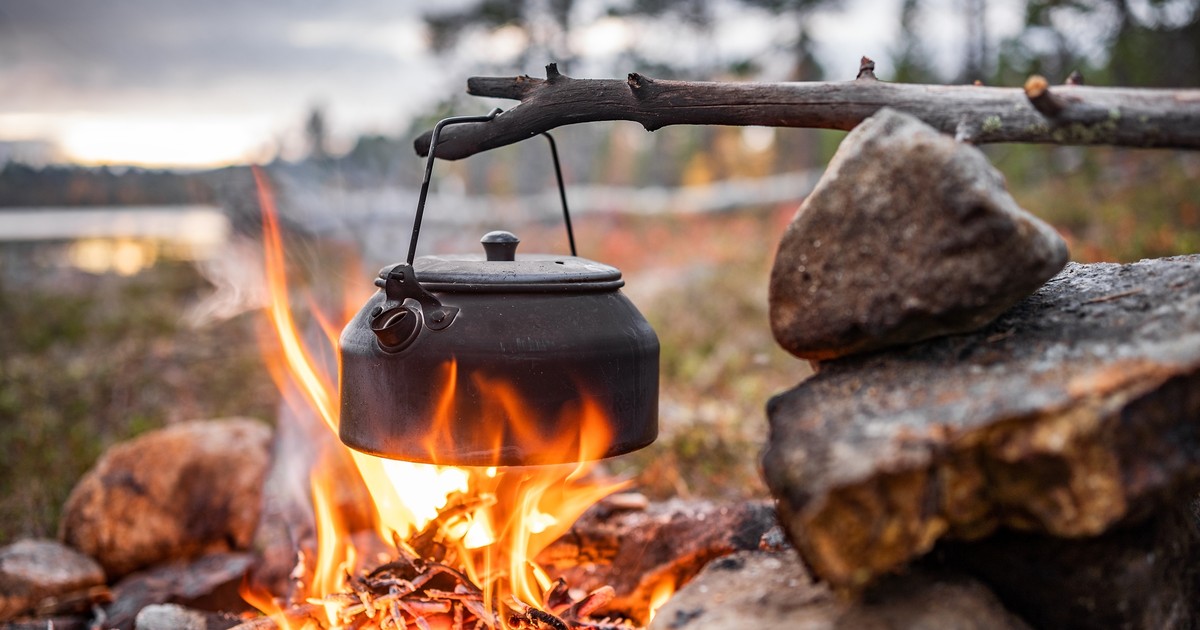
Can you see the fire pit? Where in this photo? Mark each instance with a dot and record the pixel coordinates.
(1052, 434)
(455, 377)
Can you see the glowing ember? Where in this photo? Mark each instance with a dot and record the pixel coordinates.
(460, 542)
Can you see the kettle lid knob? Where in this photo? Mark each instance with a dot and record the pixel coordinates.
(500, 245)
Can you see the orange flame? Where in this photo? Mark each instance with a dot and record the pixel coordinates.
(504, 517)
(661, 593)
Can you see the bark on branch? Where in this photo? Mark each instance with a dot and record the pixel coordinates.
(1066, 114)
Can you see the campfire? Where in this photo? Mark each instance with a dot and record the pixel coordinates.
(975, 423)
(447, 547)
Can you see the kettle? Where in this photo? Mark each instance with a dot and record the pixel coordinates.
(498, 358)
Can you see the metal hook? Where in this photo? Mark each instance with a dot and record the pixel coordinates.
(433, 140)
(562, 191)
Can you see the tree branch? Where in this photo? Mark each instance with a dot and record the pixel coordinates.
(1068, 114)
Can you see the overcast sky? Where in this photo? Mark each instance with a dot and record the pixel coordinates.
(189, 82)
(224, 75)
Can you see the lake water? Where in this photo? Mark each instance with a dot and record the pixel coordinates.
(122, 240)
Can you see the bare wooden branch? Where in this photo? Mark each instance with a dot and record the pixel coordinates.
(1080, 114)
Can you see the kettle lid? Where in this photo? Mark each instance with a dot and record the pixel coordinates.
(501, 270)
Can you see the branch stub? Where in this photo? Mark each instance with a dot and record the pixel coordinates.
(866, 69)
(1037, 90)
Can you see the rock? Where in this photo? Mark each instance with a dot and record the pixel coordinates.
(170, 617)
(209, 583)
(1077, 410)
(638, 552)
(174, 617)
(1145, 576)
(173, 493)
(756, 589)
(908, 236)
(35, 570)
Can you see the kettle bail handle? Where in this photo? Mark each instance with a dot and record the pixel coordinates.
(433, 141)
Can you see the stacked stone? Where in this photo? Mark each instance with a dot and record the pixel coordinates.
(973, 413)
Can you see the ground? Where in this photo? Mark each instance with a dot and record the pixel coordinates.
(87, 360)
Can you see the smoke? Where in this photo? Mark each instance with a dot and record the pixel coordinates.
(235, 271)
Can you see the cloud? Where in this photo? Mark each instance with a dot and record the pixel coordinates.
(57, 53)
(65, 64)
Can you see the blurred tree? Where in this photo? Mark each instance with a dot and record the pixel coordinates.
(545, 23)
(698, 12)
(797, 12)
(975, 64)
(317, 135)
(909, 58)
(1160, 48)
(1152, 43)
(547, 26)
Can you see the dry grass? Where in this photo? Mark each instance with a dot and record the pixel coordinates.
(87, 360)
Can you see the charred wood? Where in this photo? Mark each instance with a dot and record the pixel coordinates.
(636, 551)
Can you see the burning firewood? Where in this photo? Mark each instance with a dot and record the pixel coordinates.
(421, 586)
(633, 550)
(411, 591)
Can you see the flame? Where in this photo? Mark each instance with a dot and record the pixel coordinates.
(496, 520)
(661, 593)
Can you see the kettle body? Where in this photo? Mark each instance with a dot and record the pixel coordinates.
(470, 362)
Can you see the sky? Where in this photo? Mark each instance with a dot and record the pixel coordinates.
(182, 83)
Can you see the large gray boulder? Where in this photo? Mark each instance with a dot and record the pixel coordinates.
(909, 235)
